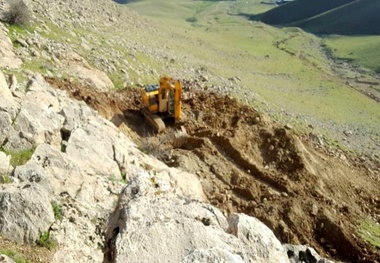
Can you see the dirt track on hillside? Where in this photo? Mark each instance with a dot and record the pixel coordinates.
(247, 164)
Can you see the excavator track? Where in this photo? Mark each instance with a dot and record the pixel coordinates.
(153, 120)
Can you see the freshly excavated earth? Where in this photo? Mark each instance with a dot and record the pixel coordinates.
(248, 164)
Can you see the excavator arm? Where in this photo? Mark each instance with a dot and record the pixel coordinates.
(160, 101)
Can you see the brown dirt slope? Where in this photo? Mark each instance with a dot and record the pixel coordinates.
(248, 164)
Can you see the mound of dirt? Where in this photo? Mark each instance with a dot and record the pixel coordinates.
(248, 164)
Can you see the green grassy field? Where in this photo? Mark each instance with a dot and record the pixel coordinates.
(345, 17)
(357, 18)
(298, 10)
(362, 50)
(285, 67)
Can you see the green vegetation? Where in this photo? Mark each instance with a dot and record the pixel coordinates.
(123, 179)
(287, 69)
(57, 209)
(345, 17)
(19, 158)
(298, 10)
(5, 179)
(16, 256)
(362, 50)
(369, 230)
(47, 241)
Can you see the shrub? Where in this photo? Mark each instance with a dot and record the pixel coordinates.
(5, 179)
(13, 254)
(46, 241)
(57, 208)
(21, 157)
(18, 13)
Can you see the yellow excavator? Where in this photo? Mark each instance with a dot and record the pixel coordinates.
(162, 101)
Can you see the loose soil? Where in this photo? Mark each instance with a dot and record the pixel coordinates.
(248, 164)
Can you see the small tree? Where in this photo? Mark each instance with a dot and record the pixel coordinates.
(18, 13)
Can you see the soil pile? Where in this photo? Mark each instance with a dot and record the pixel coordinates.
(248, 164)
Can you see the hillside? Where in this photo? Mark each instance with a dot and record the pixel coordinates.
(358, 17)
(298, 10)
(277, 132)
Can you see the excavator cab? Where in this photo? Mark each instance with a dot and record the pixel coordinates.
(162, 101)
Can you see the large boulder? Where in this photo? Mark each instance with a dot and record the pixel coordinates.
(25, 212)
(257, 238)
(4, 163)
(93, 77)
(7, 102)
(38, 120)
(6, 259)
(34, 124)
(4, 89)
(5, 126)
(91, 147)
(154, 222)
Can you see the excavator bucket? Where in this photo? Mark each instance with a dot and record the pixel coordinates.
(180, 138)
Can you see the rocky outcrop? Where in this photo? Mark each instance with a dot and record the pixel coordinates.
(75, 174)
(153, 218)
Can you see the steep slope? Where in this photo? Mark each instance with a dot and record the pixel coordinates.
(298, 10)
(357, 18)
(327, 17)
(246, 162)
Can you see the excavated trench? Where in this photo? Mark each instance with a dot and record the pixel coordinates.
(248, 164)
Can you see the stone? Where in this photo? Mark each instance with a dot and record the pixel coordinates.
(25, 212)
(93, 77)
(4, 89)
(30, 172)
(75, 113)
(6, 259)
(5, 125)
(314, 210)
(91, 147)
(181, 228)
(36, 123)
(302, 253)
(4, 164)
(258, 239)
(22, 42)
(8, 59)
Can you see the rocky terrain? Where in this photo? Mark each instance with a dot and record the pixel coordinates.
(98, 185)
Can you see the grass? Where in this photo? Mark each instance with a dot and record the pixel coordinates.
(346, 17)
(369, 230)
(123, 178)
(287, 68)
(47, 241)
(298, 10)
(356, 18)
(19, 158)
(5, 179)
(57, 209)
(17, 257)
(362, 50)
